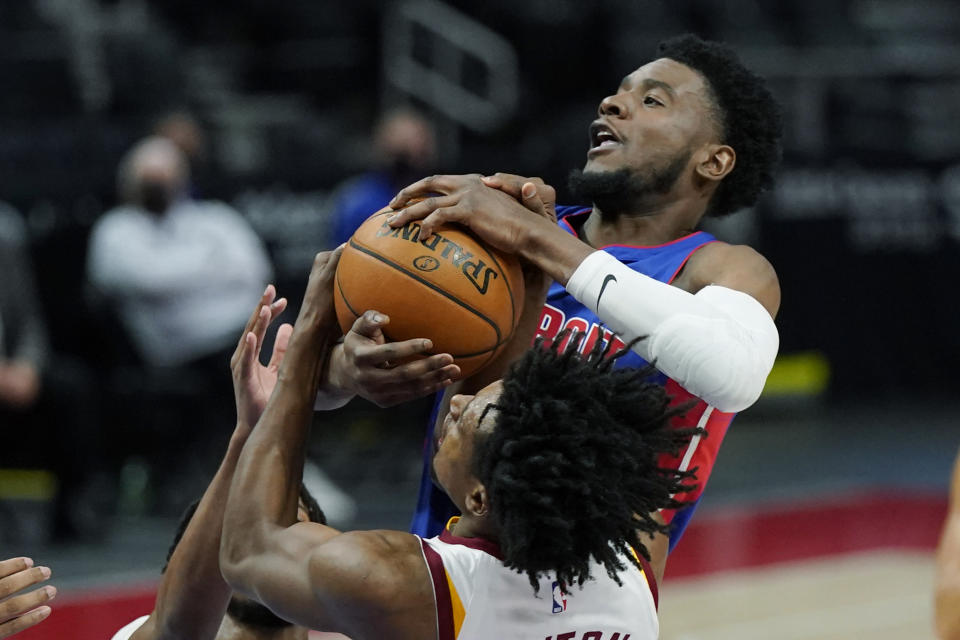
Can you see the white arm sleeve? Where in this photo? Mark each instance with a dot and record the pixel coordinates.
(718, 344)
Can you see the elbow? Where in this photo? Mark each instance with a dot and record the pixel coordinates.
(242, 548)
(729, 401)
(716, 360)
(728, 383)
(233, 552)
(737, 391)
(230, 566)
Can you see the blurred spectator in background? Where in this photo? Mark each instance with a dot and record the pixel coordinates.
(45, 411)
(948, 566)
(181, 272)
(405, 150)
(178, 276)
(22, 331)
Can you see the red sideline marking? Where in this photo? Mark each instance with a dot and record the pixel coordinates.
(752, 537)
(93, 615)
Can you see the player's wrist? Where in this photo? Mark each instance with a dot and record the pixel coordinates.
(554, 250)
(336, 389)
(334, 378)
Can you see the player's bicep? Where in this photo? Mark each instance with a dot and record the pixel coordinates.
(360, 583)
(279, 575)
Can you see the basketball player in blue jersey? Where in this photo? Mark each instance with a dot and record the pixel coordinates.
(690, 134)
(554, 472)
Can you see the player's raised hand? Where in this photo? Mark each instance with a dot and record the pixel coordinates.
(495, 216)
(19, 612)
(388, 373)
(253, 382)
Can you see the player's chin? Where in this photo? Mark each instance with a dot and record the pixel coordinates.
(602, 165)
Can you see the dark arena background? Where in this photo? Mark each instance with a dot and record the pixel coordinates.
(828, 497)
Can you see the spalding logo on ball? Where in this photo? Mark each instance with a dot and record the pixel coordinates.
(452, 288)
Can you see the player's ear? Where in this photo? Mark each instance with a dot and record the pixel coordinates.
(477, 502)
(717, 162)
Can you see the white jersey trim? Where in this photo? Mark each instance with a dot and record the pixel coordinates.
(127, 631)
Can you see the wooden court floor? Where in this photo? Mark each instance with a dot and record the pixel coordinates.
(880, 595)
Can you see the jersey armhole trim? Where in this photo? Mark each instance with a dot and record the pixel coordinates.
(689, 255)
(651, 579)
(441, 592)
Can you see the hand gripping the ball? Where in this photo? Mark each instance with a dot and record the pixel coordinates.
(492, 212)
(380, 371)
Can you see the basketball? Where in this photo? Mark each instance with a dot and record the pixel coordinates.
(455, 290)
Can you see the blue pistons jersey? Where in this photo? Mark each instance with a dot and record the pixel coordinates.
(562, 311)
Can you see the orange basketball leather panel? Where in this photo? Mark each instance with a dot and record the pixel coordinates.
(451, 289)
(454, 328)
(452, 260)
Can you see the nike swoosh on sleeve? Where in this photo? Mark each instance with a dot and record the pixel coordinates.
(610, 278)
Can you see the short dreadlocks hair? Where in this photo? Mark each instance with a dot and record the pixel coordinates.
(570, 465)
(747, 114)
(314, 512)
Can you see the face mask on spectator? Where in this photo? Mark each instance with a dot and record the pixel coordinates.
(155, 197)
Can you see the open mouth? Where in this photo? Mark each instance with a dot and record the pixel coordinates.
(603, 137)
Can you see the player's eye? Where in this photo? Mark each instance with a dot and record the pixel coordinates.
(651, 101)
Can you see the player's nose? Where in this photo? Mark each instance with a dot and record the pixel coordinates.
(612, 106)
(457, 403)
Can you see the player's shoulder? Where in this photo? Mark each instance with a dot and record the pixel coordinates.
(718, 256)
(736, 266)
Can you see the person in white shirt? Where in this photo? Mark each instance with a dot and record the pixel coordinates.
(182, 273)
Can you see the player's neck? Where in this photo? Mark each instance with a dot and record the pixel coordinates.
(649, 224)
(470, 527)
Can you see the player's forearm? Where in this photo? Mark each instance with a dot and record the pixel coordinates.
(556, 252)
(719, 343)
(193, 595)
(265, 488)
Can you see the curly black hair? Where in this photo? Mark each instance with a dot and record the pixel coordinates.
(748, 116)
(314, 512)
(570, 465)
